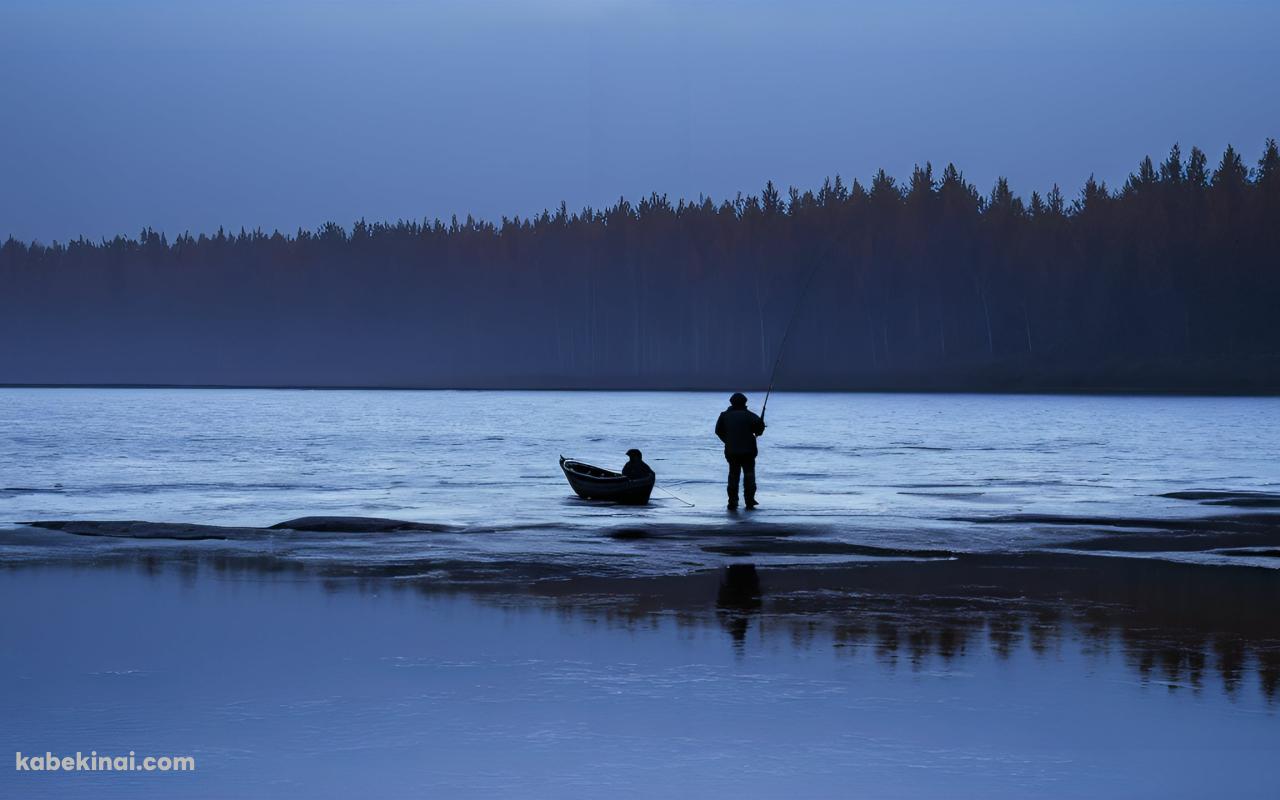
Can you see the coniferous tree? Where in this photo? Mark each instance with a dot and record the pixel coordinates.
(1169, 283)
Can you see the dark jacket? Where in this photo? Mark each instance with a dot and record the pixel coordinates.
(738, 428)
(636, 469)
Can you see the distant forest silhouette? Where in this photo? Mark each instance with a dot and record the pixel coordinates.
(1171, 282)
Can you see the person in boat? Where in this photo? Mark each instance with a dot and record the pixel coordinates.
(635, 466)
(738, 427)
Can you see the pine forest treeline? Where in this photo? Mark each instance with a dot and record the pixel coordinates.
(1170, 282)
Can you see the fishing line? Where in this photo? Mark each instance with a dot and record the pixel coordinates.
(674, 495)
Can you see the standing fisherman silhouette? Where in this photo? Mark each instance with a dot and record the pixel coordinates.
(738, 428)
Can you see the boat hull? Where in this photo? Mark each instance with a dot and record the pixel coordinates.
(596, 483)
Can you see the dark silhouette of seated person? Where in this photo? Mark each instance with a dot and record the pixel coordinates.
(635, 466)
(738, 428)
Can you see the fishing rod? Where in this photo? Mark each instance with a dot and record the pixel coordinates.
(786, 332)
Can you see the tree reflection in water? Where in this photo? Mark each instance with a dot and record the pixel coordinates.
(1174, 623)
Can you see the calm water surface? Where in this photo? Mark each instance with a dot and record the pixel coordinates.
(884, 470)
(998, 674)
(281, 689)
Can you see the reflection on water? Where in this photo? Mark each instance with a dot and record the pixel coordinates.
(1175, 624)
(739, 595)
(535, 645)
(996, 677)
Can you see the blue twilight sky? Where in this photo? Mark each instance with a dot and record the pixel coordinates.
(285, 113)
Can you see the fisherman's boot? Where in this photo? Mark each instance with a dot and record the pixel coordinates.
(749, 484)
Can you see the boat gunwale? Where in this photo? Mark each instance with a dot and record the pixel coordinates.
(612, 486)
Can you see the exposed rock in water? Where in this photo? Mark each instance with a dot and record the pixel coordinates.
(1173, 542)
(1252, 553)
(1148, 535)
(810, 547)
(190, 531)
(1257, 523)
(134, 529)
(356, 525)
(1242, 499)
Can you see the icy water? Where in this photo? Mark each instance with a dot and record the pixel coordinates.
(891, 471)
(282, 689)
(942, 596)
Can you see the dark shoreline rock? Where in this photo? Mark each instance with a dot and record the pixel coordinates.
(819, 548)
(1260, 523)
(356, 525)
(1151, 535)
(1240, 499)
(191, 531)
(137, 529)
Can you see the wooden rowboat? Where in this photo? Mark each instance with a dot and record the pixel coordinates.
(596, 483)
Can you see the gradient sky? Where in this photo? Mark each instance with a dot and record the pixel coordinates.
(278, 114)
